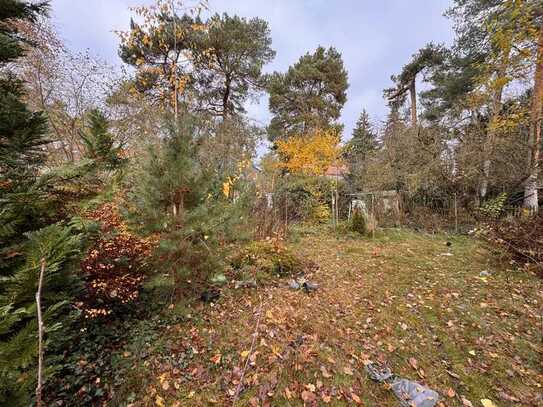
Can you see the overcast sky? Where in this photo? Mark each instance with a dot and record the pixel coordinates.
(375, 37)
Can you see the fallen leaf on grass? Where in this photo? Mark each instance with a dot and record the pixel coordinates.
(326, 398)
(466, 402)
(348, 371)
(413, 363)
(450, 392)
(308, 396)
(325, 373)
(244, 354)
(487, 403)
(355, 398)
(216, 359)
(452, 374)
(421, 373)
(288, 393)
(504, 396)
(310, 387)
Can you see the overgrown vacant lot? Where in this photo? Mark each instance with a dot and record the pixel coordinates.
(399, 298)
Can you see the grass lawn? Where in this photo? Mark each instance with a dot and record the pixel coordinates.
(399, 298)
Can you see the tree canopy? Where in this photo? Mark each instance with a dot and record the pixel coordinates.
(309, 96)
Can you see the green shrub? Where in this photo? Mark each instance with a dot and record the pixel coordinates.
(358, 223)
(494, 207)
(321, 213)
(268, 258)
(307, 198)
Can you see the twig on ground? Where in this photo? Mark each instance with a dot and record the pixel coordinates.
(40, 334)
(255, 334)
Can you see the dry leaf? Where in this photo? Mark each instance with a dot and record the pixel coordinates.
(355, 398)
(308, 396)
(325, 373)
(487, 403)
(450, 392)
(288, 393)
(348, 371)
(413, 362)
(310, 387)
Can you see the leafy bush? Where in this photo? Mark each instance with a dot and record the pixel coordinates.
(321, 213)
(493, 208)
(267, 257)
(358, 223)
(306, 197)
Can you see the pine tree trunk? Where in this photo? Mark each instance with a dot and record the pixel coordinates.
(534, 142)
(488, 147)
(226, 97)
(413, 96)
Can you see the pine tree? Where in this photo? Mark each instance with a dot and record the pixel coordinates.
(22, 135)
(309, 96)
(359, 147)
(166, 193)
(173, 195)
(229, 65)
(98, 141)
(23, 245)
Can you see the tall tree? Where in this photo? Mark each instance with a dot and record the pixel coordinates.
(63, 84)
(310, 95)
(359, 147)
(310, 154)
(229, 60)
(498, 31)
(426, 57)
(22, 134)
(22, 247)
(160, 48)
(534, 141)
(364, 138)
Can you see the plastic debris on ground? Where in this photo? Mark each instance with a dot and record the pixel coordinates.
(245, 284)
(408, 392)
(302, 283)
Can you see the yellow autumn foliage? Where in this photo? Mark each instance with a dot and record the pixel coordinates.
(310, 154)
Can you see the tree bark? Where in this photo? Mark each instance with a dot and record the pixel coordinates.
(534, 141)
(413, 96)
(488, 147)
(226, 97)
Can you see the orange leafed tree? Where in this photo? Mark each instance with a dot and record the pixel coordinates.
(310, 154)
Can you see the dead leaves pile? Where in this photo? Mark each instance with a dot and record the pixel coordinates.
(113, 267)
